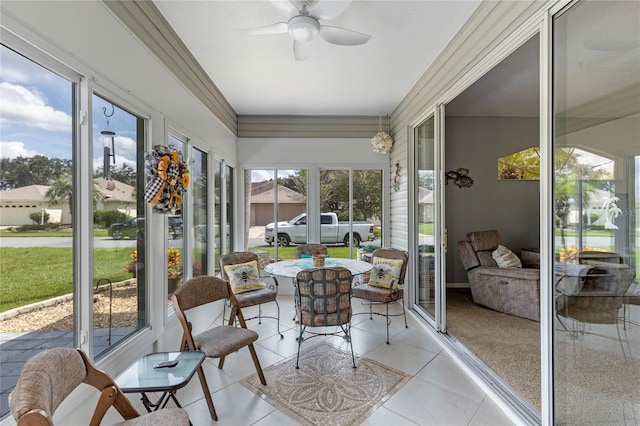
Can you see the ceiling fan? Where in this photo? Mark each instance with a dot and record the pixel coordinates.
(303, 25)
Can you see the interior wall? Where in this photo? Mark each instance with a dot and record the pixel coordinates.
(511, 207)
(299, 151)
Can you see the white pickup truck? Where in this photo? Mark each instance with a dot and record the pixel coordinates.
(331, 231)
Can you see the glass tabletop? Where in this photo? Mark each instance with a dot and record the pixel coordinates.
(143, 377)
(290, 268)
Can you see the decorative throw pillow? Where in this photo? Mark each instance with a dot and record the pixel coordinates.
(505, 258)
(385, 272)
(243, 276)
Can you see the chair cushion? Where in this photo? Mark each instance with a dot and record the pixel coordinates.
(377, 294)
(385, 272)
(256, 297)
(505, 258)
(223, 340)
(166, 416)
(243, 276)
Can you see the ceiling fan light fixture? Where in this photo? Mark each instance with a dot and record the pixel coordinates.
(303, 28)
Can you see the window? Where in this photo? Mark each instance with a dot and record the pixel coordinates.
(37, 158)
(119, 306)
(596, 105)
(199, 189)
(175, 231)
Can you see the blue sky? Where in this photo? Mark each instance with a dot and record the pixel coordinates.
(36, 114)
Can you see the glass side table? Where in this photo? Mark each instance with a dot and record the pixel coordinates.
(142, 377)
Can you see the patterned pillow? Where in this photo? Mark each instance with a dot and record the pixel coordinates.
(244, 276)
(505, 258)
(385, 272)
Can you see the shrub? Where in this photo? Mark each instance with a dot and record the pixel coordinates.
(109, 217)
(37, 217)
(27, 228)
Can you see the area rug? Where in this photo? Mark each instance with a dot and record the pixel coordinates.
(327, 390)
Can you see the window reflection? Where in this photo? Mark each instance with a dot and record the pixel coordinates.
(597, 192)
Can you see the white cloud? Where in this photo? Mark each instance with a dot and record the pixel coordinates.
(13, 150)
(23, 106)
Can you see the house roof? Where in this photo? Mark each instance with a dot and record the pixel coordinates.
(116, 191)
(260, 194)
(31, 193)
(113, 191)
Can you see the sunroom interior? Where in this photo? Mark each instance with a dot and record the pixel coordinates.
(499, 87)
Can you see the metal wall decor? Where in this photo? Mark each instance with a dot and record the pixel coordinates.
(460, 177)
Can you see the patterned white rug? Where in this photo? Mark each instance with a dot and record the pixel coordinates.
(327, 390)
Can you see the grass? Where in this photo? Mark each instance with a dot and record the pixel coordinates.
(33, 274)
(286, 253)
(67, 232)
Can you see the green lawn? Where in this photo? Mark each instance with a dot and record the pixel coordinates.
(12, 232)
(33, 274)
(286, 253)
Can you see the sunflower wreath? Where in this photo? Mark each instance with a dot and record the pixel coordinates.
(167, 179)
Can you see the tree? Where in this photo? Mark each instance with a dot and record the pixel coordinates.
(37, 170)
(123, 173)
(61, 190)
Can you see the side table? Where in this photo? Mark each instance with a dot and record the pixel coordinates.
(142, 377)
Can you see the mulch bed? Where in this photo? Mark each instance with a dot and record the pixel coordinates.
(60, 316)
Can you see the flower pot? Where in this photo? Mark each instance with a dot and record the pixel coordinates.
(174, 283)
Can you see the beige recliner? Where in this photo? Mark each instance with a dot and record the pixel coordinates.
(514, 291)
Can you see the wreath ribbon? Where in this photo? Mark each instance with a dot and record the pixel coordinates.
(163, 167)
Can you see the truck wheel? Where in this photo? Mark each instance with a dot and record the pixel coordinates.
(283, 240)
(355, 242)
(117, 234)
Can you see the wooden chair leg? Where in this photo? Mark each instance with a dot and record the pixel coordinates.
(256, 362)
(207, 394)
(221, 362)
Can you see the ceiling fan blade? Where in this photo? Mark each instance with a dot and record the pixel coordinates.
(301, 50)
(342, 36)
(285, 7)
(277, 28)
(328, 9)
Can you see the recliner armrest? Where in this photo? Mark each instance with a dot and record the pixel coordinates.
(521, 273)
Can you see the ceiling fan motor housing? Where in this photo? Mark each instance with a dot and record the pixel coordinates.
(303, 28)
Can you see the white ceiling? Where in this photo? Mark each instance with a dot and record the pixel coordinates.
(259, 75)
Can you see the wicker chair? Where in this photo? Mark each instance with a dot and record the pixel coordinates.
(215, 342)
(381, 295)
(323, 299)
(50, 376)
(265, 294)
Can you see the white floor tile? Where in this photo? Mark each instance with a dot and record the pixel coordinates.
(490, 415)
(401, 356)
(235, 406)
(385, 417)
(444, 372)
(425, 403)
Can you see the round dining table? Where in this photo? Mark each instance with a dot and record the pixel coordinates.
(290, 268)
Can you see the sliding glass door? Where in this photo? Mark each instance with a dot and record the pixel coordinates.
(425, 213)
(596, 147)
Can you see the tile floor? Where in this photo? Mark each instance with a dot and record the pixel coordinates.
(439, 392)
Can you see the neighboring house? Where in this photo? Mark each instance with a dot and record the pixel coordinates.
(116, 195)
(425, 205)
(17, 204)
(290, 203)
